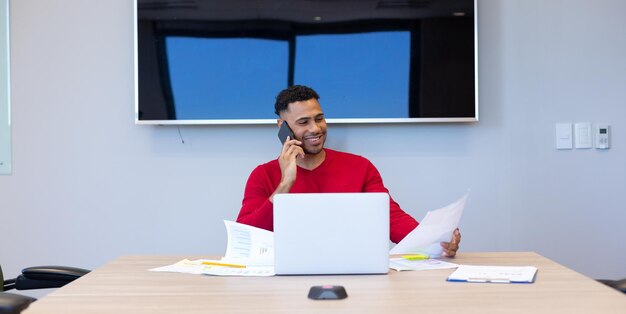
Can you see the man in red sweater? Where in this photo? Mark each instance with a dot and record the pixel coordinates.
(305, 166)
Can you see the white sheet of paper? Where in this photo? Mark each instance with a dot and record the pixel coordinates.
(185, 266)
(196, 267)
(248, 245)
(250, 271)
(436, 227)
(495, 274)
(401, 264)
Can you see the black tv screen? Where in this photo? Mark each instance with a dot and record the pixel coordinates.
(215, 62)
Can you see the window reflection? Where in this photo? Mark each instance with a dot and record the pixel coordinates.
(355, 71)
(209, 75)
(350, 70)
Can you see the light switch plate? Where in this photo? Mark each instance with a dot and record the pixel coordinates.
(582, 135)
(563, 136)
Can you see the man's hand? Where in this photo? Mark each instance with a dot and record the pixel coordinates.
(287, 160)
(450, 248)
(288, 167)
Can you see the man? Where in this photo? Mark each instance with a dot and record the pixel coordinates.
(305, 166)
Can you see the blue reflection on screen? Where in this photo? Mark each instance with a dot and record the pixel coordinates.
(356, 71)
(238, 78)
(232, 78)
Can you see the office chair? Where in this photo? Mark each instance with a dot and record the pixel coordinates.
(41, 277)
(615, 284)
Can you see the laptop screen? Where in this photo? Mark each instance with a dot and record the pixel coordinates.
(331, 233)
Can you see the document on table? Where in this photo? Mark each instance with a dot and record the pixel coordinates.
(185, 266)
(436, 227)
(249, 245)
(494, 274)
(250, 252)
(200, 267)
(401, 264)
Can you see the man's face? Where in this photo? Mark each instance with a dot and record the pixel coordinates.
(306, 120)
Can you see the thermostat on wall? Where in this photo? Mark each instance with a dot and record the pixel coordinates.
(602, 136)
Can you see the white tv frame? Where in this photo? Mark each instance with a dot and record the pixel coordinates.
(330, 120)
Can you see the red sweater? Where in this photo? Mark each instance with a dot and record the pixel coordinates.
(339, 172)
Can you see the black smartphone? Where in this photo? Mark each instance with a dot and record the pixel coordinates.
(285, 131)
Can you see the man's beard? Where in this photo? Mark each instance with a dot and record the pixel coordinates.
(315, 151)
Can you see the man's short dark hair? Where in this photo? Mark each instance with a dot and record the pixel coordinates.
(293, 94)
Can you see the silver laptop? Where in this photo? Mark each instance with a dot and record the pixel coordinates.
(331, 233)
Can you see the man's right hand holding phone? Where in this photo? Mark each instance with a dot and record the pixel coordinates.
(288, 165)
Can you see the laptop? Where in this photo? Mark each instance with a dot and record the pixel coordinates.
(331, 233)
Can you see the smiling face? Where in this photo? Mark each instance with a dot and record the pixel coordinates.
(306, 120)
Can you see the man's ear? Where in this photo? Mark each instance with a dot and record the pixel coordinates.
(279, 122)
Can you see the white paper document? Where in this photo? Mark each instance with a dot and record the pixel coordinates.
(199, 267)
(494, 274)
(249, 245)
(185, 266)
(249, 271)
(250, 252)
(436, 227)
(401, 264)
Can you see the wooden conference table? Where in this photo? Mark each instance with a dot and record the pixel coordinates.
(125, 286)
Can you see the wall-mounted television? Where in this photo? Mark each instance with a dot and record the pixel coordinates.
(371, 61)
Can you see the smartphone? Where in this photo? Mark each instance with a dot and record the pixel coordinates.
(285, 131)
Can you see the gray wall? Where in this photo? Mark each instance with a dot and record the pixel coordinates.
(88, 185)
